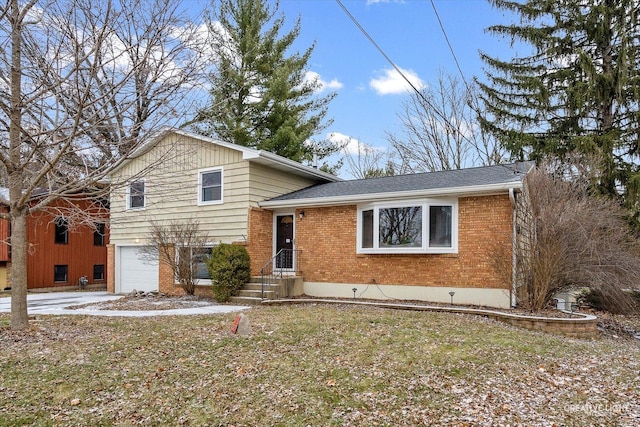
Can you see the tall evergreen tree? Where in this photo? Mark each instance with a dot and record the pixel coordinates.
(260, 94)
(577, 91)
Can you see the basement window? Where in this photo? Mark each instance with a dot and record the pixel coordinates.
(422, 226)
(194, 261)
(98, 272)
(60, 273)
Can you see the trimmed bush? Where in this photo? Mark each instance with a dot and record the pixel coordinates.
(230, 268)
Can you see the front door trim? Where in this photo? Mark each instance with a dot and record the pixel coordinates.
(277, 217)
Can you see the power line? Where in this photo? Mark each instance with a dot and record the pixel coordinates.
(446, 121)
(373, 42)
(446, 37)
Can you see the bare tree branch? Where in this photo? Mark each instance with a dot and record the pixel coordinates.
(81, 83)
(569, 240)
(440, 131)
(182, 246)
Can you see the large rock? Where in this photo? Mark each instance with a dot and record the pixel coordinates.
(241, 325)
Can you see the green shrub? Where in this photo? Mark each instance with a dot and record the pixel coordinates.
(230, 268)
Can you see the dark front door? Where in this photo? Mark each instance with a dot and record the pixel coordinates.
(284, 241)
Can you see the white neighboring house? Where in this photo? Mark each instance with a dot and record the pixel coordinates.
(178, 174)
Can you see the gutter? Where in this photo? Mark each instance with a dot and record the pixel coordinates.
(398, 195)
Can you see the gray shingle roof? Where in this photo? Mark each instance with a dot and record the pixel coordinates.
(486, 175)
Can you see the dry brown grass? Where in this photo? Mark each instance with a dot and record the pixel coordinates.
(312, 365)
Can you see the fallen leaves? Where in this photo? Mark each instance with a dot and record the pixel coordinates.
(314, 365)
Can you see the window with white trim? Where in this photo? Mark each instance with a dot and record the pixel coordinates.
(423, 226)
(210, 186)
(136, 195)
(201, 256)
(194, 261)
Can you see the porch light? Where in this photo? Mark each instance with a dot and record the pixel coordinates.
(301, 215)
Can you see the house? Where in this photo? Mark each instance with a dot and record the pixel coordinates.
(67, 240)
(439, 236)
(432, 237)
(181, 175)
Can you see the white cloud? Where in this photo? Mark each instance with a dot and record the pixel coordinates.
(351, 145)
(390, 82)
(322, 85)
(346, 142)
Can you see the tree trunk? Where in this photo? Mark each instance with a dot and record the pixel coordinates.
(19, 315)
(18, 211)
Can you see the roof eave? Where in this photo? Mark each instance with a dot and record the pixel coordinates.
(288, 164)
(474, 190)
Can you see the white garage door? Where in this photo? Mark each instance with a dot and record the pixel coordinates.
(136, 272)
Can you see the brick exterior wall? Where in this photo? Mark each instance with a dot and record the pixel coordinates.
(327, 238)
(260, 238)
(166, 278)
(111, 268)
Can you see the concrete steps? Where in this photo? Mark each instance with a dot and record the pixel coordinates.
(251, 293)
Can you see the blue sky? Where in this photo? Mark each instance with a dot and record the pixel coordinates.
(369, 94)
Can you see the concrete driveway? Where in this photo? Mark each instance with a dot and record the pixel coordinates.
(57, 303)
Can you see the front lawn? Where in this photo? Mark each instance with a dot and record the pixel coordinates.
(317, 365)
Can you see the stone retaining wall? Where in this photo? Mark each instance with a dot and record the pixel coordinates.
(580, 326)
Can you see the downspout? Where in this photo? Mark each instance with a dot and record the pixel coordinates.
(514, 242)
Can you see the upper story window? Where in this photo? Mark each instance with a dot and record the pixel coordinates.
(210, 186)
(61, 231)
(136, 195)
(408, 227)
(98, 234)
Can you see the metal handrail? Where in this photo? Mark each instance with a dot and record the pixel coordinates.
(284, 260)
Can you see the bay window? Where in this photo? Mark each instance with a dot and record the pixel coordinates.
(423, 226)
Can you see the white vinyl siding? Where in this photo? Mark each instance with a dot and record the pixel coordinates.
(266, 183)
(171, 189)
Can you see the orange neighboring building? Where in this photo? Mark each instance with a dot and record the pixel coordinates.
(60, 251)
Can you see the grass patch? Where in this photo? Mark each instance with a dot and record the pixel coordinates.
(311, 365)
